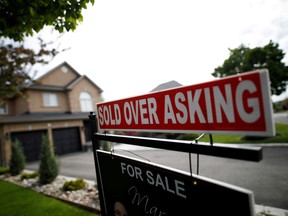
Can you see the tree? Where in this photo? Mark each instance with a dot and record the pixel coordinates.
(22, 18)
(243, 59)
(16, 63)
(48, 168)
(17, 160)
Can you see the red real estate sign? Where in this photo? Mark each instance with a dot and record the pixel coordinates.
(238, 104)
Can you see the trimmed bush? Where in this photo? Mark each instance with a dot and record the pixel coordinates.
(190, 137)
(106, 146)
(29, 175)
(4, 170)
(48, 168)
(74, 185)
(17, 160)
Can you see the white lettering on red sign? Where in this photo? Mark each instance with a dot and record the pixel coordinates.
(235, 104)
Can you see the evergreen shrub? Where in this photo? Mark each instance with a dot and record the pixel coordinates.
(29, 175)
(17, 160)
(106, 146)
(74, 185)
(4, 170)
(48, 168)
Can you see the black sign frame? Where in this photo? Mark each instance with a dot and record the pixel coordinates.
(146, 188)
(246, 153)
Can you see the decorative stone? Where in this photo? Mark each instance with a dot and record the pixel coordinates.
(86, 197)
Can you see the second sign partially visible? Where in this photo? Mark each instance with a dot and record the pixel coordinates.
(136, 187)
(233, 105)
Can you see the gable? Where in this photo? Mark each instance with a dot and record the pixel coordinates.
(167, 85)
(62, 75)
(86, 79)
(83, 85)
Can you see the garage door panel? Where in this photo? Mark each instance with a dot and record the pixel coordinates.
(66, 140)
(31, 142)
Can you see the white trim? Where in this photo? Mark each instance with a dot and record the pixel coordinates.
(86, 102)
(267, 102)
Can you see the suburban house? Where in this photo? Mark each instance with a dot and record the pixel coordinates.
(58, 104)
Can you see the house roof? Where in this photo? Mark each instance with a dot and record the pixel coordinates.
(42, 117)
(167, 85)
(74, 82)
(62, 88)
(46, 87)
(59, 66)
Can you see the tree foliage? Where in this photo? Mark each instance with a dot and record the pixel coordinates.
(18, 19)
(22, 18)
(16, 63)
(243, 59)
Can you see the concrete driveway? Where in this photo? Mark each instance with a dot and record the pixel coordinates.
(281, 117)
(268, 179)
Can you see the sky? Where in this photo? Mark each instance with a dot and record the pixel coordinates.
(129, 47)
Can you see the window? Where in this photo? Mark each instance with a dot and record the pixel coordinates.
(3, 109)
(50, 99)
(86, 102)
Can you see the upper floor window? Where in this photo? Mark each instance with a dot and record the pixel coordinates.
(50, 99)
(86, 102)
(3, 109)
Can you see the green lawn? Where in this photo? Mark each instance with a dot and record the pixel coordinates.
(16, 200)
(281, 137)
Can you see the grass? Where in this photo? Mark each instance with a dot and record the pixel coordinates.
(281, 137)
(16, 200)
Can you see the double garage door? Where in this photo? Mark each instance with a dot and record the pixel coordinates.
(66, 140)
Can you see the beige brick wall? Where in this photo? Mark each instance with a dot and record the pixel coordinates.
(58, 77)
(36, 103)
(20, 106)
(8, 128)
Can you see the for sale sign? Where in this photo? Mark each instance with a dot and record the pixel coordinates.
(238, 104)
(134, 187)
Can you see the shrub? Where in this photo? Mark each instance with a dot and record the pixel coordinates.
(106, 146)
(190, 137)
(48, 168)
(4, 170)
(29, 175)
(74, 185)
(252, 138)
(17, 160)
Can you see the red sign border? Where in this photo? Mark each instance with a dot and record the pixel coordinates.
(267, 109)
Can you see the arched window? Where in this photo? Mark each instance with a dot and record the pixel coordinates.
(86, 102)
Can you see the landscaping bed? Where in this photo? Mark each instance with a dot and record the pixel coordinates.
(86, 198)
